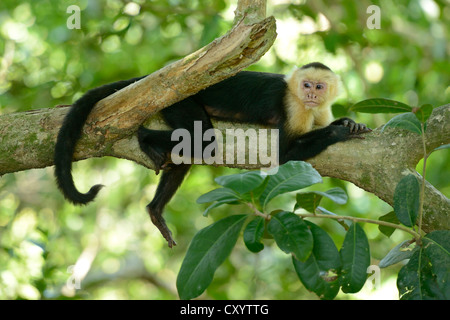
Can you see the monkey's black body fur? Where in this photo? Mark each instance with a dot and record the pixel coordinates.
(251, 97)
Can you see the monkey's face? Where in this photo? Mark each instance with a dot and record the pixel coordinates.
(316, 88)
(313, 93)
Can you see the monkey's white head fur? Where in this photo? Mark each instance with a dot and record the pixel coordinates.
(303, 83)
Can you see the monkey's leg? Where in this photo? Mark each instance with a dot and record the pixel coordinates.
(158, 144)
(168, 185)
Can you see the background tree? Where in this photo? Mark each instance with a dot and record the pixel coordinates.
(44, 63)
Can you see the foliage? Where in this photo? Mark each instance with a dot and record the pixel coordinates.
(319, 265)
(45, 64)
(426, 275)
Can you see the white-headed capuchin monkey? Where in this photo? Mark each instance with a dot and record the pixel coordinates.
(292, 103)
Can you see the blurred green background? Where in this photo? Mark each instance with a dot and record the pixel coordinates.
(116, 250)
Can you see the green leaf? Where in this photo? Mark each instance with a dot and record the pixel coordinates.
(380, 106)
(342, 222)
(408, 280)
(256, 193)
(416, 281)
(389, 217)
(406, 200)
(355, 257)
(437, 248)
(218, 204)
(424, 112)
(308, 201)
(427, 274)
(311, 200)
(319, 273)
(291, 176)
(219, 194)
(337, 195)
(253, 233)
(444, 146)
(401, 252)
(406, 121)
(207, 251)
(291, 234)
(242, 182)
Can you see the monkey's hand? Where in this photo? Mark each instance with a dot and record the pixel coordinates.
(355, 128)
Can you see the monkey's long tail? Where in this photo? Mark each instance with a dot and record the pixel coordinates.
(70, 133)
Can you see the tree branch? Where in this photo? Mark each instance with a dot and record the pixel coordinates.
(382, 159)
(124, 111)
(376, 164)
(27, 138)
(251, 10)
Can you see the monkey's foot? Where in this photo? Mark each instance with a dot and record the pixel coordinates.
(163, 163)
(160, 223)
(168, 165)
(157, 159)
(159, 162)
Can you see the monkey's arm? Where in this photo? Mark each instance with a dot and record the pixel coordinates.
(314, 142)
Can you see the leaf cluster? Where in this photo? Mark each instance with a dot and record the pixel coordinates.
(320, 266)
(426, 274)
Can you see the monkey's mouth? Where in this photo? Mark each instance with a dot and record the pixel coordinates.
(311, 103)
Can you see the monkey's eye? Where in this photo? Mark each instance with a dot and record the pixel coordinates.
(307, 85)
(319, 87)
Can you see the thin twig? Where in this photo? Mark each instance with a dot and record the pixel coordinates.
(257, 212)
(422, 189)
(355, 219)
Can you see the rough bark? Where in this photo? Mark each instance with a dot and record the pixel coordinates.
(375, 164)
